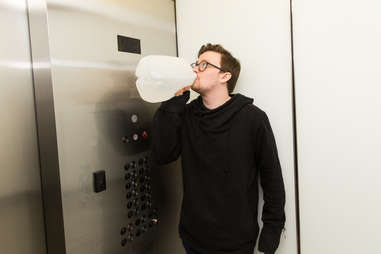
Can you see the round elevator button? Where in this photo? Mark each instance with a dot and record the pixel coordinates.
(134, 118)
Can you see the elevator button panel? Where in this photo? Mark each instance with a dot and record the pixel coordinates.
(137, 136)
(141, 216)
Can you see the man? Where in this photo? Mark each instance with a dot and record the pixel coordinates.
(226, 145)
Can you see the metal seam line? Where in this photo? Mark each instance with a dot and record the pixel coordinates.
(295, 142)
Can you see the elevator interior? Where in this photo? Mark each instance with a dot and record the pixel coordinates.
(60, 64)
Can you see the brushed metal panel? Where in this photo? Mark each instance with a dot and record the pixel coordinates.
(21, 216)
(94, 96)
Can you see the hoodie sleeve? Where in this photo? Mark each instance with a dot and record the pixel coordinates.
(273, 215)
(166, 130)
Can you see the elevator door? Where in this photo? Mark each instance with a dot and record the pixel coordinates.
(21, 216)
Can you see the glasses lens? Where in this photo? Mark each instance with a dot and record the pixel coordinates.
(193, 65)
(203, 66)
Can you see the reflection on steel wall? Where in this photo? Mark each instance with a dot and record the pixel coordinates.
(21, 216)
(102, 126)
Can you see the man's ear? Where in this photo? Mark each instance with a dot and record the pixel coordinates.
(226, 77)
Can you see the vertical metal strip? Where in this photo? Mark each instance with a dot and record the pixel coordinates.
(177, 41)
(38, 146)
(295, 142)
(46, 126)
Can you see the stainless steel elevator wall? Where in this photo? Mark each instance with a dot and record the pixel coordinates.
(94, 98)
(21, 215)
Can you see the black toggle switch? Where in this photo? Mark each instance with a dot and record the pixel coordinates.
(99, 181)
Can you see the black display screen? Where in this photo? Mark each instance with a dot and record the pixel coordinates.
(128, 44)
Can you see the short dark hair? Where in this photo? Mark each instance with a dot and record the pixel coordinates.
(228, 62)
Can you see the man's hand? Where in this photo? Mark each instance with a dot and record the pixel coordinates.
(182, 90)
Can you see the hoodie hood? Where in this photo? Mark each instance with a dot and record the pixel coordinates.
(218, 119)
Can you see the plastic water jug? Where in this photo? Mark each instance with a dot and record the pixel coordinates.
(160, 77)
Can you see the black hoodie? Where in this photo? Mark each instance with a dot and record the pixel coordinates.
(224, 151)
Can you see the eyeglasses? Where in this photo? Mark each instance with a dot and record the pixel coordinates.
(203, 65)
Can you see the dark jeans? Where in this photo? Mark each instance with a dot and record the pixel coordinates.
(189, 249)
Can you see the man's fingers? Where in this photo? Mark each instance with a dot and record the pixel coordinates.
(182, 90)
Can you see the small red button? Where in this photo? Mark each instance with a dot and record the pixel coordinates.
(144, 135)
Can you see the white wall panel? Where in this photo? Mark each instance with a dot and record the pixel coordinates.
(337, 73)
(257, 33)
